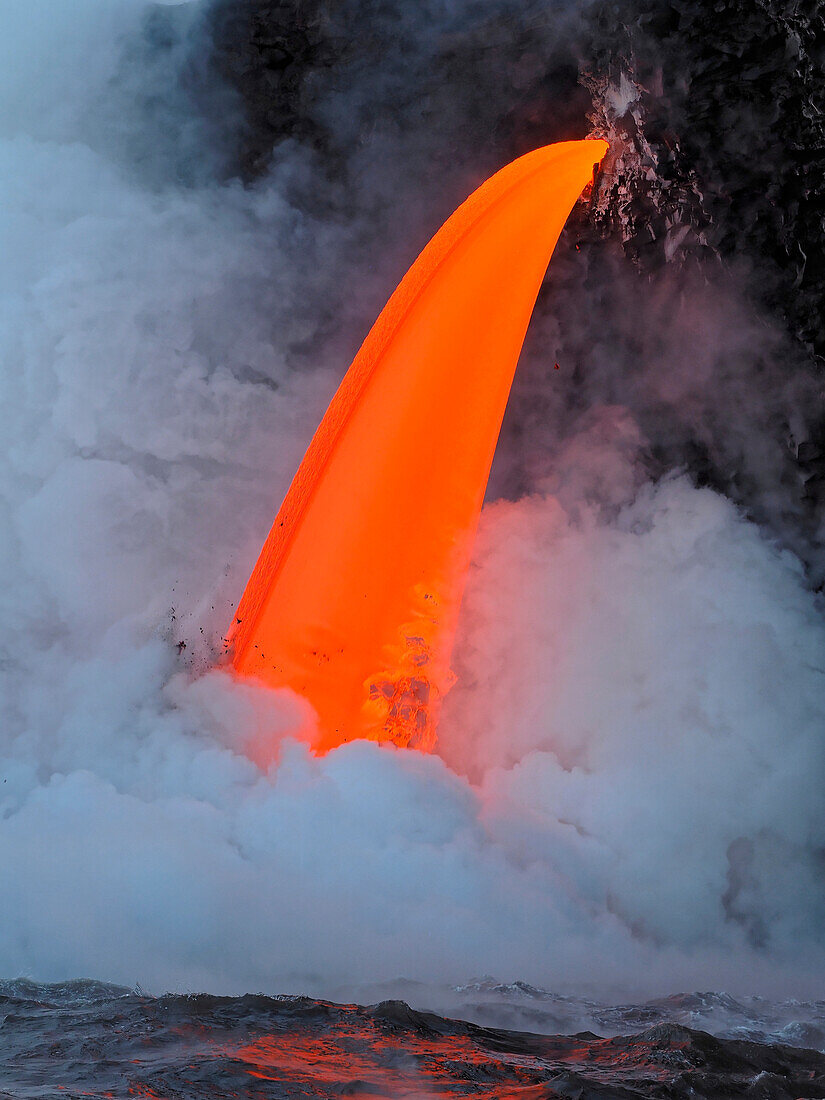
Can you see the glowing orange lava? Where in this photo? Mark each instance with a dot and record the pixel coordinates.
(354, 598)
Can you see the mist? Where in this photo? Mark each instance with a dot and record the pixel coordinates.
(627, 792)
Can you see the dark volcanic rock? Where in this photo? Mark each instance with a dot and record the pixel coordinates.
(729, 131)
(694, 301)
(336, 75)
(732, 101)
(716, 115)
(271, 53)
(712, 202)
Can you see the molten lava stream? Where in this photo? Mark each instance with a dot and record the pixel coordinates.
(354, 599)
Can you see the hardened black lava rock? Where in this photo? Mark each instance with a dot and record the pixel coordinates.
(489, 80)
(719, 112)
(272, 52)
(380, 116)
(732, 109)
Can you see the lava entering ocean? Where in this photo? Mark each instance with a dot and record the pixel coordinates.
(354, 598)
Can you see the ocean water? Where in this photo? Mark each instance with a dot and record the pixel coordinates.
(86, 1038)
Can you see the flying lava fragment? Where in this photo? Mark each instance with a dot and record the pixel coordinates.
(354, 599)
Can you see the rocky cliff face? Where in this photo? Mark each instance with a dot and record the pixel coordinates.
(716, 113)
(695, 306)
(721, 103)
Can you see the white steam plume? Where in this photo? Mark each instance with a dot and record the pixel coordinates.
(628, 787)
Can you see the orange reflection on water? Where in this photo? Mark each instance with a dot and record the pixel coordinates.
(361, 1062)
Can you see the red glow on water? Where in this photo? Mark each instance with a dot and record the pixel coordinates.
(354, 599)
(257, 1048)
(359, 1058)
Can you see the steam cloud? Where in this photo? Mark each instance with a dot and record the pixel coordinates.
(628, 791)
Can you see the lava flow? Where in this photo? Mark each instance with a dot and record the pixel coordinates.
(354, 599)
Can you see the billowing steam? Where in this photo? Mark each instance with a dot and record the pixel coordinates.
(628, 786)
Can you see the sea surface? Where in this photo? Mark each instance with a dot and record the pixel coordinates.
(84, 1038)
